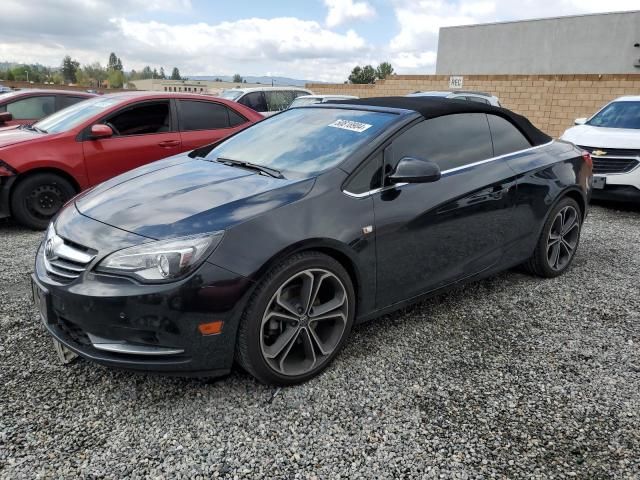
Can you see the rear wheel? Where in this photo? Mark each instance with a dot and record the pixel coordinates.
(558, 241)
(38, 197)
(297, 320)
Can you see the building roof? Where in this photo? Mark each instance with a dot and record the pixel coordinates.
(432, 107)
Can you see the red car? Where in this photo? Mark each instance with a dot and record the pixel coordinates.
(45, 164)
(27, 106)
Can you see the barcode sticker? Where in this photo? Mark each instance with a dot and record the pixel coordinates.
(350, 125)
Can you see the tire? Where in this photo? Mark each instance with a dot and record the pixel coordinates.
(280, 340)
(38, 197)
(555, 250)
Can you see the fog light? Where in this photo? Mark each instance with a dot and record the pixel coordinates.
(163, 265)
(211, 328)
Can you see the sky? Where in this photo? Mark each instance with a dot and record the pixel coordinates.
(304, 39)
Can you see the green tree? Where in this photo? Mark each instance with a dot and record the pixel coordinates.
(237, 78)
(69, 69)
(146, 73)
(162, 74)
(384, 70)
(57, 78)
(154, 74)
(362, 75)
(116, 79)
(114, 62)
(10, 76)
(82, 78)
(95, 73)
(175, 74)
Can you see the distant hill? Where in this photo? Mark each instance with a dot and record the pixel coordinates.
(264, 79)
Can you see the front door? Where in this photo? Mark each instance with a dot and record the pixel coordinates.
(429, 235)
(142, 133)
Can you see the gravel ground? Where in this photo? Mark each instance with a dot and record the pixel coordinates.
(510, 377)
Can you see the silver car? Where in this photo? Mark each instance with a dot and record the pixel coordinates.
(313, 99)
(480, 97)
(265, 100)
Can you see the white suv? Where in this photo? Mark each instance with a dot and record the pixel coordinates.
(265, 100)
(612, 136)
(480, 97)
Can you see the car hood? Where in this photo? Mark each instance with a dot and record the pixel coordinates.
(601, 137)
(186, 196)
(12, 134)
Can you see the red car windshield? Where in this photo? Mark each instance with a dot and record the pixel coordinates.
(70, 117)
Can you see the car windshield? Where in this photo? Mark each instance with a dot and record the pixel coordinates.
(300, 101)
(305, 141)
(618, 115)
(72, 116)
(230, 94)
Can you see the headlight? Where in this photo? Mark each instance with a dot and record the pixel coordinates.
(163, 260)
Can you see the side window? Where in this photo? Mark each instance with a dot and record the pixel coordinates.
(278, 100)
(477, 99)
(506, 137)
(32, 108)
(367, 177)
(450, 141)
(299, 93)
(141, 119)
(196, 115)
(66, 101)
(236, 119)
(254, 100)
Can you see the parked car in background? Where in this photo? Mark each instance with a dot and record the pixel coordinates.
(265, 100)
(270, 245)
(4, 89)
(21, 107)
(612, 136)
(313, 99)
(480, 97)
(43, 165)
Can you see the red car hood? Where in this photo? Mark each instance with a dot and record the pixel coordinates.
(13, 135)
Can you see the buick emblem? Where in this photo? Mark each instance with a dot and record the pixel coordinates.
(48, 249)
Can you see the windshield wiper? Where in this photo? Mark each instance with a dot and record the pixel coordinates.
(33, 128)
(272, 172)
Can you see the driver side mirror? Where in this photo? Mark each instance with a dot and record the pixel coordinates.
(101, 131)
(415, 170)
(580, 121)
(5, 117)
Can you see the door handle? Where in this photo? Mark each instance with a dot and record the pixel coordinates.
(169, 143)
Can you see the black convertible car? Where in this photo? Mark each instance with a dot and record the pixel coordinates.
(267, 247)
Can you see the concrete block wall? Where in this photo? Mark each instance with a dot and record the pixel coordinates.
(551, 102)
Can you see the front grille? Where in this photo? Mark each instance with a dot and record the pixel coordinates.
(613, 165)
(615, 160)
(64, 260)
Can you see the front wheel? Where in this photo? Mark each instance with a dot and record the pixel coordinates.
(297, 319)
(558, 241)
(38, 197)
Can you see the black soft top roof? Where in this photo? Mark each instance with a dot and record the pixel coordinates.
(432, 107)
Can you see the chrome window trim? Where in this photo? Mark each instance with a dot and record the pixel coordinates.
(449, 171)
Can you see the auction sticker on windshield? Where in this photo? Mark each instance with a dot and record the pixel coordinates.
(350, 125)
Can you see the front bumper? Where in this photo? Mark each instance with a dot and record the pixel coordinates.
(120, 323)
(620, 186)
(617, 193)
